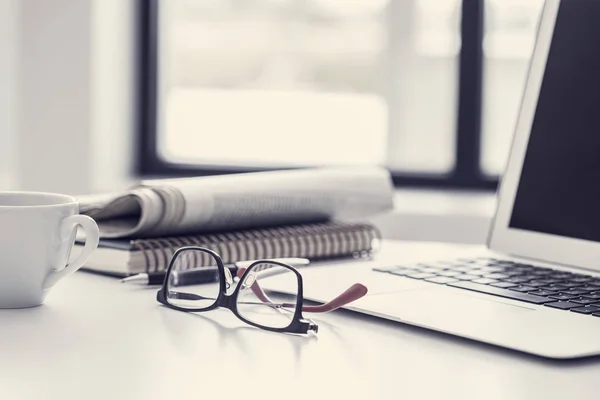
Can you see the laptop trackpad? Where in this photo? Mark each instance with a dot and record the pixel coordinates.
(441, 303)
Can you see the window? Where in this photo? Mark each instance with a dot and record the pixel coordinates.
(242, 85)
(507, 45)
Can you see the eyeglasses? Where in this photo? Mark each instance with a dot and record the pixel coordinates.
(268, 294)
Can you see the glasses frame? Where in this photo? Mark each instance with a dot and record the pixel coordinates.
(298, 325)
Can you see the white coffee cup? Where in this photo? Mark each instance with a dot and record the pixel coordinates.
(37, 232)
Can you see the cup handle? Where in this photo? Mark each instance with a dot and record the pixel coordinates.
(92, 236)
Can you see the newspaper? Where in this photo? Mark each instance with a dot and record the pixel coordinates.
(181, 206)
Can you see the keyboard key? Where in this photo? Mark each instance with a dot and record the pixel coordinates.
(496, 276)
(557, 287)
(583, 301)
(551, 281)
(516, 280)
(562, 275)
(582, 279)
(536, 284)
(590, 287)
(519, 272)
(491, 270)
(586, 309)
(462, 269)
(562, 305)
(524, 266)
(509, 294)
(520, 267)
(540, 292)
(541, 272)
(523, 288)
(420, 275)
(485, 281)
(504, 285)
(448, 273)
(563, 296)
(504, 262)
(593, 296)
(576, 291)
(466, 277)
(497, 268)
(441, 280)
(530, 277)
(429, 270)
(572, 284)
(476, 272)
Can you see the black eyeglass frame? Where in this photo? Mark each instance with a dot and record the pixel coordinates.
(298, 325)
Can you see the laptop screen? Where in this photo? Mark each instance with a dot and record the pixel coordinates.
(559, 188)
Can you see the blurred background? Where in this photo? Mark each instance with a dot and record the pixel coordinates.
(98, 93)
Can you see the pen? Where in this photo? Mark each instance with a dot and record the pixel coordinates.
(201, 275)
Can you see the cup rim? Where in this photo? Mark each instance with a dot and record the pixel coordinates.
(60, 200)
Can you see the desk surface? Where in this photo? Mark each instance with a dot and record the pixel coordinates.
(98, 339)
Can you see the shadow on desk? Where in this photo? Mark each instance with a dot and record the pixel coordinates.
(238, 334)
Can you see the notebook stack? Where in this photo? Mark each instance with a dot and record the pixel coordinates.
(315, 241)
(241, 217)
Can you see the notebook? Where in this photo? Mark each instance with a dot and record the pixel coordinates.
(314, 241)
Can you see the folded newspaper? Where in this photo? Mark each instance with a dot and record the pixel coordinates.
(181, 206)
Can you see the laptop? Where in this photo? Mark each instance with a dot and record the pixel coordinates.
(536, 288)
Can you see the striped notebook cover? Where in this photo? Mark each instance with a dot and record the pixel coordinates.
(315, 241)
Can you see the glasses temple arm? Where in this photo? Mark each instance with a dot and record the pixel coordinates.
(351, 294)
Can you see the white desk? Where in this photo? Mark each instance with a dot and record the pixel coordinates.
(98, 339)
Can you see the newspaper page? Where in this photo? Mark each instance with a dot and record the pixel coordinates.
(238, 201)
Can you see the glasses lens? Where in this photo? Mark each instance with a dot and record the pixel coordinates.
(267, 295)
(194, 280)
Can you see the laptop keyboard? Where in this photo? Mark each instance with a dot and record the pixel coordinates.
(562, 290)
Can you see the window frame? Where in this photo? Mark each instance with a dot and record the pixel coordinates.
(466, 174)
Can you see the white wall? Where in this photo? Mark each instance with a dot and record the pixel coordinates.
(75, 116)
(114, 107)
(7, 91)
